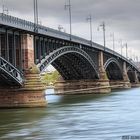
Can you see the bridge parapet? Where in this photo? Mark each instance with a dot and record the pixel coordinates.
(16, 22)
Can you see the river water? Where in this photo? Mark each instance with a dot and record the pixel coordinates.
(78, 117)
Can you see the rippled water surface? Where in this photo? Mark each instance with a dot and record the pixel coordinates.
(76, 117)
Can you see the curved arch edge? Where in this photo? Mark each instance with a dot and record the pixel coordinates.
(62, 51)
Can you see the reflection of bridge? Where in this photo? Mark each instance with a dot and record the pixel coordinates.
(25, 53)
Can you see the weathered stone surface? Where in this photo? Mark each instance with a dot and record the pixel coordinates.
(22, 98)
(30, 95)
(28, 51)
(100, 86)
(125, 84)
(136, 84)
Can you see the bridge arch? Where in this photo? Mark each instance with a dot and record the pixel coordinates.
(129, 68)
(72, 63)
(131, 74)
(113, 69)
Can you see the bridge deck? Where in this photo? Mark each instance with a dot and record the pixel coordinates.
(27, 26)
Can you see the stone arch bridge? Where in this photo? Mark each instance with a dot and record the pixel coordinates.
(25, 53)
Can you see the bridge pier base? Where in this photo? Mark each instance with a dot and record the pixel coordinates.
(135, 85)
(30, 95)
(137, 82)
(121, 84)
(126, 81)
(82, 87)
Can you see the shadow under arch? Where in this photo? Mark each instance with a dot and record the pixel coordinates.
(131, 74)
(72, 63)
(113, 69)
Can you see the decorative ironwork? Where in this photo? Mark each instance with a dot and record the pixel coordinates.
(110, 60)
(64, 50)
(10, 72)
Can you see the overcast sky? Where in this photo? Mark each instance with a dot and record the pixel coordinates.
(120, 16)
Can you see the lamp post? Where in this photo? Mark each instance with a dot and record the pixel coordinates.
(5, 10)
(126, 49)
(137, 59)
(103, 27)
(130, 54)
(121, 45)
(35, 15)
(90, 22)
(60, 28)
(113, 41)
(69, 8)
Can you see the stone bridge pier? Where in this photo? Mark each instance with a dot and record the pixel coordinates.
(124, 80)
(31, 94)
(101, 84)
(134, 79)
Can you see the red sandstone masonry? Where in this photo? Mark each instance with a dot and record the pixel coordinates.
(28, 51)
(32, 93)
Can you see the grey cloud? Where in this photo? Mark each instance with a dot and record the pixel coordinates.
(100, 9)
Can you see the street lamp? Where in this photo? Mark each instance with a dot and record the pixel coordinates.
(60, 28)
(103, 27)
(35, 15)
(5, 10)
(69, 8)
(113, 41)
(137, 59)
(90, 21)
(126, 47)
(121, 45)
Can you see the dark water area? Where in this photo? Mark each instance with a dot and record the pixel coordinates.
(76, 117)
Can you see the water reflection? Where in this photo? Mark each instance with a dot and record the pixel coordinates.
(71, 99)
(12, 121)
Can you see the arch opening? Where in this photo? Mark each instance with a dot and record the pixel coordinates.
(113, 70)
(131, 75)
(72, 63)
(73, 66)
(139, 77)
